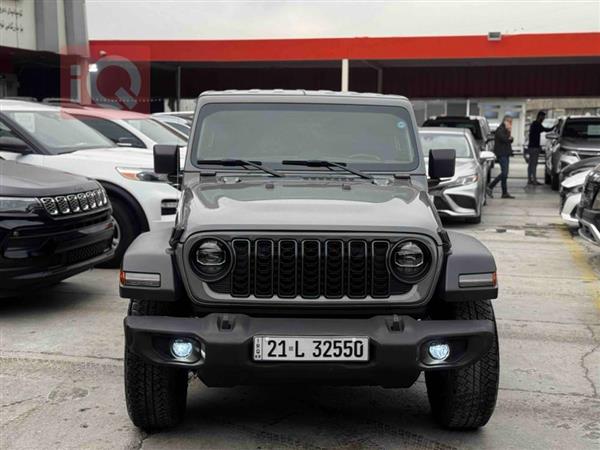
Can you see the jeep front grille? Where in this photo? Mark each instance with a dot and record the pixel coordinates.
(63, 205)
(310, 269)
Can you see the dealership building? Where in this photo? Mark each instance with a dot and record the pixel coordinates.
(447, 57)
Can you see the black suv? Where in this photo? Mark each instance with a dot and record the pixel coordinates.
(52, 225)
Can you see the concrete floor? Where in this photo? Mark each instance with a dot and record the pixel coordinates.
(61, 351)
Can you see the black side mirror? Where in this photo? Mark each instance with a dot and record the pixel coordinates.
(166, 159)
(14, 145)
(441, 163)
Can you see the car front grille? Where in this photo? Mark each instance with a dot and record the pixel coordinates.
(310, 268)
(63, 205)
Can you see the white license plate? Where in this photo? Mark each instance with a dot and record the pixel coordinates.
(311, 348)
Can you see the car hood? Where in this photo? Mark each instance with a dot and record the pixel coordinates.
(124, 156)
(307, 205)
(581, 144)
(575, 180)
(24, 180)
(584, 164)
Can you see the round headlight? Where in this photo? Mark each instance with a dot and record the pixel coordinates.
(409, 261)
(211, 259)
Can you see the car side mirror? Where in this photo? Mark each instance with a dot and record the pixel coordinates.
(490, 138)
(126, 142)
(487, 156)
(166, 159)
(14, 145)
(552, 135)
(441, 163)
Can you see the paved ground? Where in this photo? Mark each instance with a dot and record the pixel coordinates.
(61, 364)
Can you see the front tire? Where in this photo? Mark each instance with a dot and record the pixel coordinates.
(126, 230)
(155, 395)
(464, 399)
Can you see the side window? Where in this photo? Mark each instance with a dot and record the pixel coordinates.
(111, 130)
(5, 131)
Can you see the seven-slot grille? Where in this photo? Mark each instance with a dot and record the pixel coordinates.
(309, 269)
(75, 203)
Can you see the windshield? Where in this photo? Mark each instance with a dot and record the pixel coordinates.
(460, 144)
(365, 135)
(582, 128)
(58, 131)
(471, 125)
(156, 131)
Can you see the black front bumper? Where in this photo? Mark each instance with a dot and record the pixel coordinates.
(589, 221)
(40, 252)
(397, 348)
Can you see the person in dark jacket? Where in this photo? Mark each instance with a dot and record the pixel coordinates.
(534, 148)
(503, 150)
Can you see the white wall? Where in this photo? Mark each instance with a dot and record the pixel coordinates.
(179, 19)
(17, 24)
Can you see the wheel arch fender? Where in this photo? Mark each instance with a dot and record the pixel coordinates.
(150, 253)
(116, 191)
(469, 271)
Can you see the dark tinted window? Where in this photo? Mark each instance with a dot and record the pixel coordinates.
(472, 125)
(582, 128)
(111, 130)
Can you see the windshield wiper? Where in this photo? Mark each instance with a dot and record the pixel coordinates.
(240, 163)
(323, 163)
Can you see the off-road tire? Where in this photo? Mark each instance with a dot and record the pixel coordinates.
(129, 229)
(464, 399)
(155, 395)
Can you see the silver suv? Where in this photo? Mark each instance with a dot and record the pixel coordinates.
(306, 249)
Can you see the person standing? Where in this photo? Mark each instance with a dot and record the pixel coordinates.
(535, 130)
(503, 150)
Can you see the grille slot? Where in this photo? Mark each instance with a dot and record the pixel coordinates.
(263, 268)
(310, 268)
(288, 268)
(64, 205)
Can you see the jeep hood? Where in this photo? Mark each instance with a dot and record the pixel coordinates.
(307, 206)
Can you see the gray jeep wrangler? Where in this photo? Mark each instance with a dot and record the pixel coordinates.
(306, 250)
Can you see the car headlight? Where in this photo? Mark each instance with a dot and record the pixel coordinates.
(136, 174)
(211, 259)
(464, 180)
(409, 261)
(18, 205)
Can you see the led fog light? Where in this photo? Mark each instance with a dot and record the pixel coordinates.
(182, 348)
(439, 351)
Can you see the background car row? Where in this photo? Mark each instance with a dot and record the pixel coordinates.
(113, 149)
(51, 137)
(572, 159)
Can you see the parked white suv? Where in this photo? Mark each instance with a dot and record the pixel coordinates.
(128, 128)
(47, 136)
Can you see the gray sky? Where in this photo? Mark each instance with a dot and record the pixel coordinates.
(254, 19)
